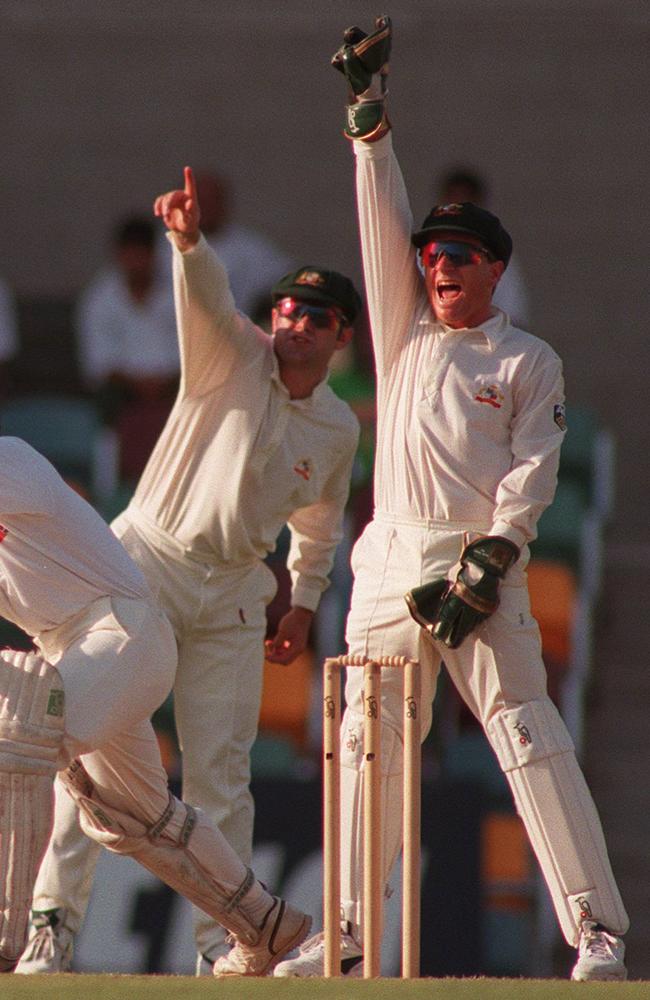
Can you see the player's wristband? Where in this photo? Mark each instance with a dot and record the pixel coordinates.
(366, 120)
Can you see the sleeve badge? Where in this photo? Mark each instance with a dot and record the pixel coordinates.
(559, 415)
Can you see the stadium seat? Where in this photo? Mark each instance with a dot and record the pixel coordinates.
(553, 589)
(509, 888)
(67, 430)
(588, 459)
(286, 699)
(571, 532)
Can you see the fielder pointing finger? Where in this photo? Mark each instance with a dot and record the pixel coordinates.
(470, 423)
(256, 439)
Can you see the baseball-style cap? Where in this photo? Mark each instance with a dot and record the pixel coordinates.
(465, 217)
(314, 284)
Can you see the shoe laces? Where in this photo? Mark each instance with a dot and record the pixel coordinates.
(42, 945)
(597, 941)
(313, 942)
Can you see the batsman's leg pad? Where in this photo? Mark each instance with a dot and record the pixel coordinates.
(352, 772)
(537, 755)
(181, 848)
(31, 737)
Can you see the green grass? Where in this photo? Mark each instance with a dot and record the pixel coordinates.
(112, 987)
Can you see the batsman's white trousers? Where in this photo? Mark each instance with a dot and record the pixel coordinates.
(499, 672)
(218, 616)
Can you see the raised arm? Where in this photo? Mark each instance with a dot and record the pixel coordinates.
(213, 336)
(385, 222)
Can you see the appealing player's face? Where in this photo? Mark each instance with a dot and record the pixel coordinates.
(460, 293)
(306, 336)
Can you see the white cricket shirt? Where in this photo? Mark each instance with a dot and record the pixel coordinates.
(469, 421)
(238, 458)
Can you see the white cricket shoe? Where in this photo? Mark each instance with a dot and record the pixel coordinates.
(600, 955)
(283, 929)
(49, 945)
(205, 963)
(311, 959)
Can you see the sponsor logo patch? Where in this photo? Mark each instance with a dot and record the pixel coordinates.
(524, 734)
(303, 468)
(559, 415)
(490, 394)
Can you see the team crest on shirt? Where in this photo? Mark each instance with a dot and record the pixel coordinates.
(304, 468)
(559, 415)
(3, 532)
(490, 394)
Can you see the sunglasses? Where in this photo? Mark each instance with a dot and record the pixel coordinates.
(322, 317)
(458, 254)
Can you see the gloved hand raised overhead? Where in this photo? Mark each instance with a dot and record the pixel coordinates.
(363, 60)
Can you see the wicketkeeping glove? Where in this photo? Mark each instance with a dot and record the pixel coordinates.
(450, 609)
(363, 60)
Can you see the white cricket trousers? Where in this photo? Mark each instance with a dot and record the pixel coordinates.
(117, 660)
(499, 672)
(218, 616)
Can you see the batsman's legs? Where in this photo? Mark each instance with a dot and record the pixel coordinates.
(66, 874)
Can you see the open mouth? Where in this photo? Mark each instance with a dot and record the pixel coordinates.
(448, 290)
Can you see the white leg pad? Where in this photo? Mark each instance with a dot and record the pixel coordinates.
(31, 735)
(181, 848)
(352, 773)
(536, 753)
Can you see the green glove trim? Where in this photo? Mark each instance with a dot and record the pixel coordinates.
(366, 120)
(363, 55)
(451, 614)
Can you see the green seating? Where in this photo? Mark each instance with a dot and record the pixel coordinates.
(63, 428)
(587, 459)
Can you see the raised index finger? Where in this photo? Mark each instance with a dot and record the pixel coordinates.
(190, 184)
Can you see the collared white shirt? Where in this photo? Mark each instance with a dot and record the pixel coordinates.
(469, 421)
(117, 334)
(238, 458)
(57, 555)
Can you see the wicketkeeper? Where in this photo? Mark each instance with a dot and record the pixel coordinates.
(470, 423)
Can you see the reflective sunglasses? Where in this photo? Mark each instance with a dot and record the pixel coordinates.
(322, 317)
(459, 254)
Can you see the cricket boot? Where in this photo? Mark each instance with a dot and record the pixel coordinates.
(49, 946)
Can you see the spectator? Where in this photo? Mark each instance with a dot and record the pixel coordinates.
(127, 342)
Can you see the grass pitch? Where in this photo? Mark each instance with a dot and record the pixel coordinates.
(114, 987)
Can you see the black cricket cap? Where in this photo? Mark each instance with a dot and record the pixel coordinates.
(465, 217)
(314, 284)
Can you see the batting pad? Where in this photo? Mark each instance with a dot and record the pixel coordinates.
(352, 780)
(181, 848)
(31, 734)
(537, 755)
